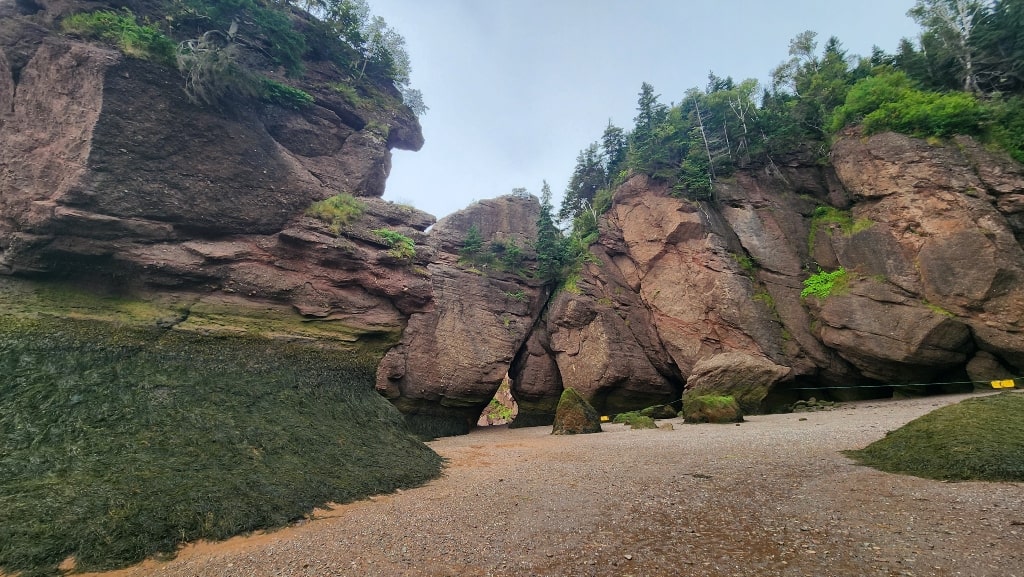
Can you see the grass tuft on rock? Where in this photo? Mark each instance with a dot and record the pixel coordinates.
(121, 442)
(975, 440)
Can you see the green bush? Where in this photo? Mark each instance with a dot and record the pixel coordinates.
(828, 215)
(889, 102)
(285, 96)
(337, 211)
(402, 247)
(145, 42)
(1007, 128)
(975, 440)
(822, 284)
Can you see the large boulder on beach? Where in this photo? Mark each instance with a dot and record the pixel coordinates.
(575, 415)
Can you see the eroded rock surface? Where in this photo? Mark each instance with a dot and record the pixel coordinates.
(928, 237)
(454, 354)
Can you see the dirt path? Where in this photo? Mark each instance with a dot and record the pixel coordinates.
(770, 497)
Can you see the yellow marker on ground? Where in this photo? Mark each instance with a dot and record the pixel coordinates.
(1007, 384)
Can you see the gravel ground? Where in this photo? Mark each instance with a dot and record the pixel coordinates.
(772, 496)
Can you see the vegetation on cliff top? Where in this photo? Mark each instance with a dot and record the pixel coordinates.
(965, 76)
(222, 47)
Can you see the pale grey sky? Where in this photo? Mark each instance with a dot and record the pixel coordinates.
(516, 88)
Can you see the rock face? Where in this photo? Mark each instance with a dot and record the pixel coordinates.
(735, 374)
(454, 355)
(108, 170)
(111, 177)
(707, 295)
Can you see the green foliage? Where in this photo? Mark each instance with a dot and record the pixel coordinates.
(765, 298)
(499, 411)
(588, 177)
(571, 283)
(518, 295)
(975, 440)
(1007, 128)
(827, 215)
(938, 310)
(822, 284)
(146, 42)
(119, 442)
(337, 211)
(402, 247)
(550, 245)
(889, 102)
(472, 245)
(349, 93)
(509, 253)
(746, 263)
(285, 96)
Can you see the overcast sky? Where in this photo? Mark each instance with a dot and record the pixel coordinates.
(516, 88)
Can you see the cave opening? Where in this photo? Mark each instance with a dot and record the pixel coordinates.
(502, 408)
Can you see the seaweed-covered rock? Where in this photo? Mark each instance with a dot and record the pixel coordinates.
(744, 377)
(711, 409)
(575, 415)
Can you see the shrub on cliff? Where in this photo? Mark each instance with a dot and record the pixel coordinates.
(823, 284)
(889, 102)
(336, 211)
(143, 41)
(402, 247)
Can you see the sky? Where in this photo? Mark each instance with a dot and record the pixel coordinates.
(516, 88)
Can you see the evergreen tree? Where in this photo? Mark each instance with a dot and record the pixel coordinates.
(473, 244)
(951, 25)
(643, 140)
(999, 38)
(614, 146)
(587, 178)
(550, 246)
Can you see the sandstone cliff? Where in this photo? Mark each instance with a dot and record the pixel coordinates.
(707, 295)
(111, 177)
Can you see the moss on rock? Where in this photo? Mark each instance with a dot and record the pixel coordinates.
(711, 409)
(575, 415)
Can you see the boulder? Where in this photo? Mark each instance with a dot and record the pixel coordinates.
(575, 416)
(984, 368)
(711, 409)
(746, 378)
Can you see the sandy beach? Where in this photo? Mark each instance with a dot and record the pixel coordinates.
(772, 496)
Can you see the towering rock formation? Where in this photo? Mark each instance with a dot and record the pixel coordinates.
(454, 355)
(707, 295)
(111, 177)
